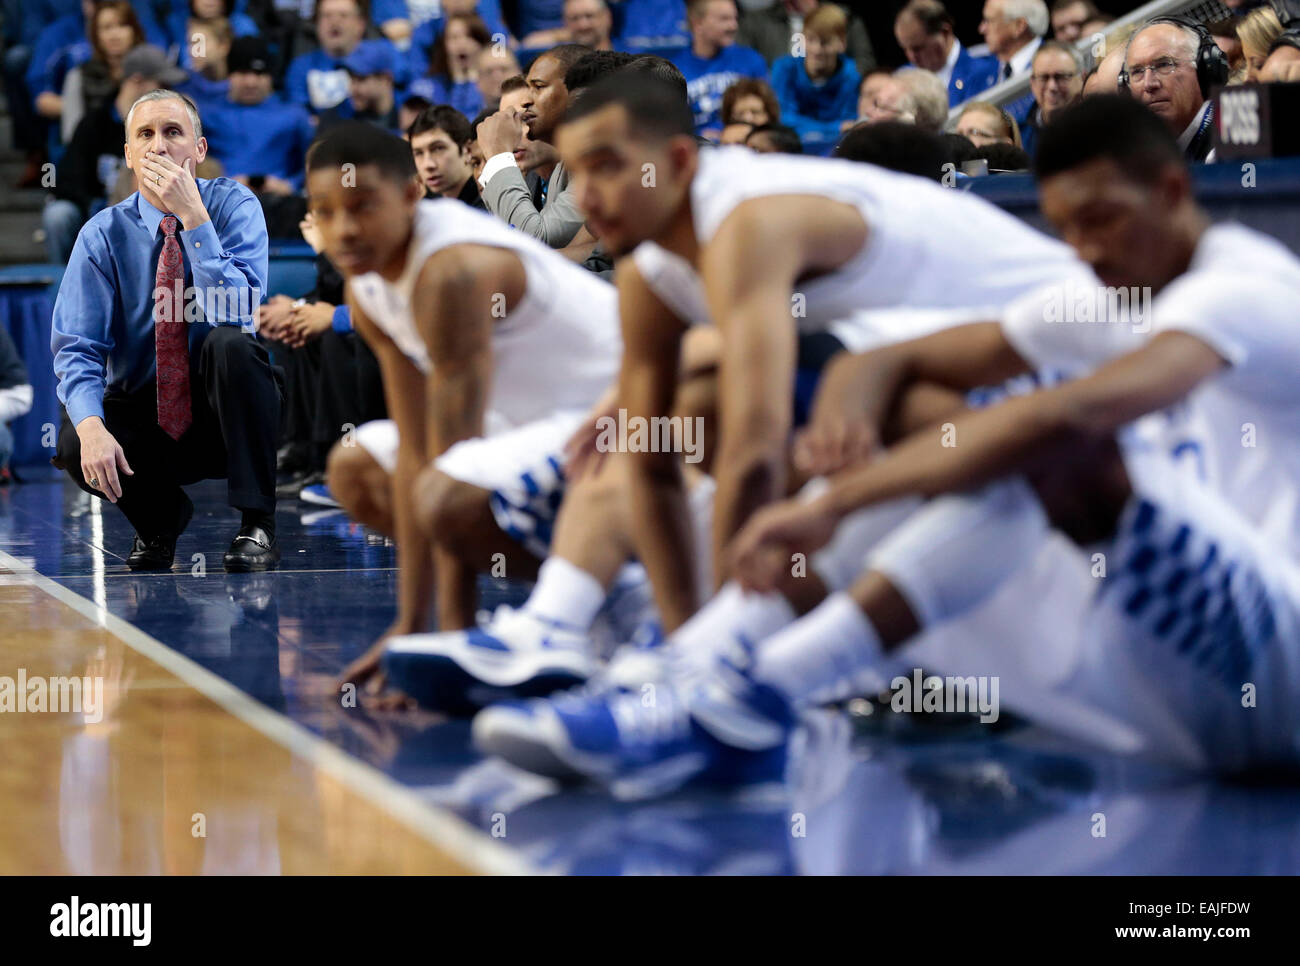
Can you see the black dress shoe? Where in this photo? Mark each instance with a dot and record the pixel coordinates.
(253, 549)
(155, 554)
(158, 552)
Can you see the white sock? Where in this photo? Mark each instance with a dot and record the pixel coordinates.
(827, 655)
(731, 611)
(565, 594)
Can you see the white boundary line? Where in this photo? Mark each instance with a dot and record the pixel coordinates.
(461, 841)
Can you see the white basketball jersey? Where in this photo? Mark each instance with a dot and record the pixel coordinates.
(1239, 431)
(557, 350)
(928, 247)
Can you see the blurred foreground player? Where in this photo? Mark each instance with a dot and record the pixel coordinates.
(775, 251)
(1187, 647)
(162, 380)
(492, 348)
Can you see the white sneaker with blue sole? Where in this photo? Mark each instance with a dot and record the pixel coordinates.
(644, 742)
(516, 655)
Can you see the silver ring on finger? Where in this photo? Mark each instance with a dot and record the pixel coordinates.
(94, 483)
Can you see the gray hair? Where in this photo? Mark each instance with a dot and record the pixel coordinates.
(162, 94)
(928, 96)
(1190, 35)
(1032, 12)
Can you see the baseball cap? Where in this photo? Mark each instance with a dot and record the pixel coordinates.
(370, 57)
(149, 61)
(249, 55)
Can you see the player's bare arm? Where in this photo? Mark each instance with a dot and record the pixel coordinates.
(750, 270)
(404, 395)
(461, 292)
(1015, 436)
(859, 392)
(648, 379)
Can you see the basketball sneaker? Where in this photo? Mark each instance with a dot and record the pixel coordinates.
(711, 726)
(515, 655)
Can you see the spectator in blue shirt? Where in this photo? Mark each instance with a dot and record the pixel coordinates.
(128, 435)
(451, 73)
(818, 92)
(317, 79)
(261, 139)
(714, 61)
(65, 44)
(427, 32)
(652, 25)
(540, 23)
(372, 93)
(186, 20)
(90, 167)
(208, 84)
(927, 33)
(115, 31)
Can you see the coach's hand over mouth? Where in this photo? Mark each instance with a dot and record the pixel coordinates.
(175, 187)
(761, 553)
(101, 457)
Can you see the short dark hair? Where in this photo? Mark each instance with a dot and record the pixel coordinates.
(359, 143)
(445, 118)
(897, 146)
(664, 69)
(1107, 126)
(784, 138)
(1003, 157)
(566, 54)
(932, 15)
(416, 103)
(960, 148)
(513, 83)
(592, 66)
(652, 106)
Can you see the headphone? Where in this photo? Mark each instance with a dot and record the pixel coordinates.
(1211, 62)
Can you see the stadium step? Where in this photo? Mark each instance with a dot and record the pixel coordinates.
(20, 210)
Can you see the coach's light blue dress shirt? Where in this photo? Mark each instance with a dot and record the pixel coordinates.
(103, 328)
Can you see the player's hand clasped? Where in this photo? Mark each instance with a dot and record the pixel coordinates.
(761, 552)
(840, 430)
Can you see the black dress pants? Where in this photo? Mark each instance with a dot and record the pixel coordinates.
(235, 399)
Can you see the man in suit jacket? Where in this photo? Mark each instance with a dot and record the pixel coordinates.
(504, 190)
(926, 32)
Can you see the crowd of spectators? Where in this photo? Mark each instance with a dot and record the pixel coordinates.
(479, 87)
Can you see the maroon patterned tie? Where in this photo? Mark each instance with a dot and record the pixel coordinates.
(170, 338)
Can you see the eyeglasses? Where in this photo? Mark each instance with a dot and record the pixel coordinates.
(1163, 68)
(1046, 79)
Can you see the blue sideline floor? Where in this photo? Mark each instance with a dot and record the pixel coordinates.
(1017, 802)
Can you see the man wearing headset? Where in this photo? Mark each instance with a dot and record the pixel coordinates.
(1172, 66)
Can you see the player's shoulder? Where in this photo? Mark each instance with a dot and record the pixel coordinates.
(1236, 271)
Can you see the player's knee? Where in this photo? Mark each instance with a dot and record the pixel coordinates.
(352, 475)
(444, 507)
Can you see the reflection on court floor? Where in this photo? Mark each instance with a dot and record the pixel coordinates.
(222, 747)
